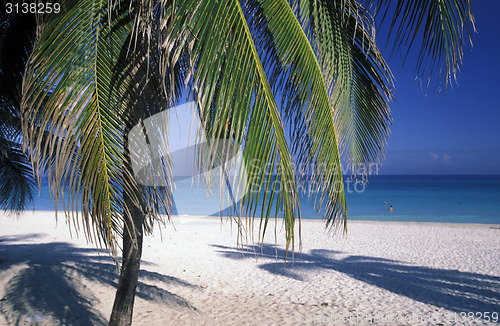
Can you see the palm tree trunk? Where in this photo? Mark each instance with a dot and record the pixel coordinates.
(129, 275)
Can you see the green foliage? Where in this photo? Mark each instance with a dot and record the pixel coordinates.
(73, 94)
(16, 179)
(295, 83)
(437, 29)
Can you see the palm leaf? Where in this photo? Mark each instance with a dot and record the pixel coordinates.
(333, 81)
(298, 76)
(16, 181)
(357, 76)
(70, 93)
(439, 28)
(17, 185)
(227, 70)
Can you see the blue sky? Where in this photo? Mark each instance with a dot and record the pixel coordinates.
(457, 132)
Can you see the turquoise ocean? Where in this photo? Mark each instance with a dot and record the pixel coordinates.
(448, 199)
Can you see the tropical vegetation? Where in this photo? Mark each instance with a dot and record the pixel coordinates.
(297, 82)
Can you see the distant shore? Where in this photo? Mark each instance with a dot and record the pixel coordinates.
(198, 271)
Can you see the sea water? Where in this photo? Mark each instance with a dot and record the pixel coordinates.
(453, 199)
(449, 199)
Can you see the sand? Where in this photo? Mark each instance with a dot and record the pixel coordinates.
(381, 273)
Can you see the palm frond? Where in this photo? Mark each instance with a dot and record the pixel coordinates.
(438, 28)
(292, 63)
(17, 33)
(358, 78)
(227, 70)
(334, 83)
(16, 180)
(71, 95)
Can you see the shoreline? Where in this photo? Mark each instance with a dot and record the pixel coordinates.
(226, 218)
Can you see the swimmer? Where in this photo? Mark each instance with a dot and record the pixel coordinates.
(391, 209)
(385, 203)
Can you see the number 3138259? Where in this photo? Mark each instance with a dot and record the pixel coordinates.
(32, 8)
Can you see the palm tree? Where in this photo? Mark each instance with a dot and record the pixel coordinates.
(296, 82)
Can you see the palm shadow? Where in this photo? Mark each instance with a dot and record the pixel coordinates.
(50, 279)
(450, 289)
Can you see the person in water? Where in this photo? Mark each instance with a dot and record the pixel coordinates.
(391, 209)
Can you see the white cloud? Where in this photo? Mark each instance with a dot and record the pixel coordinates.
(444, 159)
(435, 157)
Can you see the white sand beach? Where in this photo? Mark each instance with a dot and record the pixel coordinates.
(381, 273)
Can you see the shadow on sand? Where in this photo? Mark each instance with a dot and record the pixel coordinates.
(450, 289)
(50, 279)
